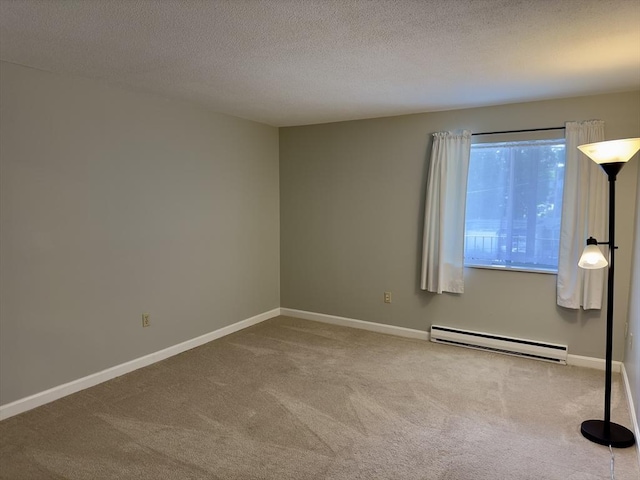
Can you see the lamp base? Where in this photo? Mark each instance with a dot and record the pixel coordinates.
(618, 437)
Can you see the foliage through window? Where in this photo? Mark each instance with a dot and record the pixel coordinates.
(514, 204)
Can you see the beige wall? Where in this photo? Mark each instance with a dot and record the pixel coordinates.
(351, 213)
(632, 350)
(116, 203)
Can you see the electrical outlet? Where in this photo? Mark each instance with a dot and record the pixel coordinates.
(626, 329)
(631, 341)
(146, 319)
(387, 297)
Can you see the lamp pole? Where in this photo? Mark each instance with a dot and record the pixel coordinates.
(604, 431)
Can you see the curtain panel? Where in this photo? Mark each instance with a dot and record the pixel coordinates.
(443, 240)
(584, 207)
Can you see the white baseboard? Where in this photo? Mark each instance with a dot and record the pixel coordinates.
(632, 410)
(591, 362)
(353, 323)
(575, 360)
(47, 396)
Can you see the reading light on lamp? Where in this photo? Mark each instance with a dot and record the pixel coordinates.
(611, 156)
(592, 257)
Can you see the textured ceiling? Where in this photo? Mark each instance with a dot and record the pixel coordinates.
(294, 62)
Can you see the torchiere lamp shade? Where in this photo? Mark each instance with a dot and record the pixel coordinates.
(613, 151)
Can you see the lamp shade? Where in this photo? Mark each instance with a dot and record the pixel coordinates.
(612, 151)
(592, 258)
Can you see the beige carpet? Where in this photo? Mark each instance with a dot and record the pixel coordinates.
(292, 399)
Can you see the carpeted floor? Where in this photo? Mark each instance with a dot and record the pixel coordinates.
(293, 399)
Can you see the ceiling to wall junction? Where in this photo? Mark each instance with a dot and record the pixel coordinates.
(295, 62)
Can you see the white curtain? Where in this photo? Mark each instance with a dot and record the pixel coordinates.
(443, 241)
(584, 207)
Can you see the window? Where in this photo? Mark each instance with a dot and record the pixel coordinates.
(514, 205)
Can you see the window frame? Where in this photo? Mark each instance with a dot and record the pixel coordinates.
(510, 138)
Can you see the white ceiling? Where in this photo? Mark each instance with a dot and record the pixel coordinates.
(295, 62)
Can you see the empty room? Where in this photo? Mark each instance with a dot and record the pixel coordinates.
(320, 239)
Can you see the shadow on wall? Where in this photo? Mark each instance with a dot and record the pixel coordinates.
(581, 316)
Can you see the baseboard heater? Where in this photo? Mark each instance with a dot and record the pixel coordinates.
(548, 352)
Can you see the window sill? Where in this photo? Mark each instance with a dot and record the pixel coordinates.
(513, 269)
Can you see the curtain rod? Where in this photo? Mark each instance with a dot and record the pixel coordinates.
(519, 131)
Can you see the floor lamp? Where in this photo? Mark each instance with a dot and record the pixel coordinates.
(611, 156)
